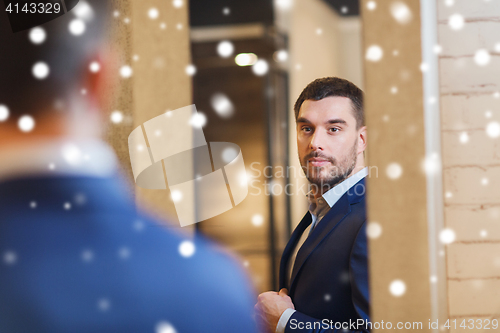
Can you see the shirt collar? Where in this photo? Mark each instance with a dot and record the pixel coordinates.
(334, 194)
(68, 156)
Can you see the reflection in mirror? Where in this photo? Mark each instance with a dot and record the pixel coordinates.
(252, 60)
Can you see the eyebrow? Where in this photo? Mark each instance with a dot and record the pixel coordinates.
(330, 121)
(337, 121)
(303, 120)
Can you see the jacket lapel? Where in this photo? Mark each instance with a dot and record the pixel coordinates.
(325, 226)
(290, 246)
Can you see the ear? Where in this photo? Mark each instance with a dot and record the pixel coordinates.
(99, 83)
(362, 139)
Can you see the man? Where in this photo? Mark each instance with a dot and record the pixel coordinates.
(323, 271)
(75, 256)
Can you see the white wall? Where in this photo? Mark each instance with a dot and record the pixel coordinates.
(321, 43)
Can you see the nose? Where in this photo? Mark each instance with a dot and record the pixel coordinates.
(317, 141)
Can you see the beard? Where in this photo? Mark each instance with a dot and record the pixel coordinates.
(326, 177)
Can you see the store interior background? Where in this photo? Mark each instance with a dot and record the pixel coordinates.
(459, 90)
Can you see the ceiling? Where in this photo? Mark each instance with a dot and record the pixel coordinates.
(351, 7)
(221, 12)
(211, 12)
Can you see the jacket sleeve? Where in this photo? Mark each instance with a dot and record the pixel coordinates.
(358, 269)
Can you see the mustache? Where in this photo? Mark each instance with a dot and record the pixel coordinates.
(317, 154)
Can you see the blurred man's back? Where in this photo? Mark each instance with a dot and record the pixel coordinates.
(75, 256)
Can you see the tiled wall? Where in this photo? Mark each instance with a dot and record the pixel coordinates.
(470, 113)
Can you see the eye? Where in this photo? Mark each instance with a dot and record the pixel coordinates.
(334, 129)
(306, 129)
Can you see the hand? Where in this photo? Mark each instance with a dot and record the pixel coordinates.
(269, 308)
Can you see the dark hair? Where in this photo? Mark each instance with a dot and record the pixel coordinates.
(333, 86)
(66, 55)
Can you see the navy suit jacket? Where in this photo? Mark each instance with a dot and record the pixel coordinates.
(330, 276)
(100, 267)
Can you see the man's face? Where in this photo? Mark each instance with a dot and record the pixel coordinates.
(327, 140)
